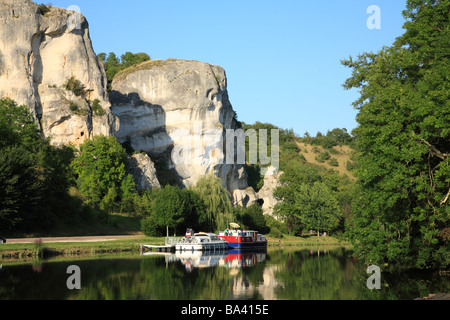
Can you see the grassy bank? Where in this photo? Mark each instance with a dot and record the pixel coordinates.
(14, 251)
(308, 240)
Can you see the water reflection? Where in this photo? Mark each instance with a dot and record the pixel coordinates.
(288, 274)
(228, 259)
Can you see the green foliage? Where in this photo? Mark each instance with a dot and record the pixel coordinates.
(172, 208)
(20, 186)
(323, 156)
(34, 176)
(254, 177)
(217, 200)
(333, 138)
(403, 143)
(252, 218)
(97, 109)
(288, 150)
(75, 85)
(333, 162)
(44, 9)
(101, 173)
(317, 207)
(113, 64)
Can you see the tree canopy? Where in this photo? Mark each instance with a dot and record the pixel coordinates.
(101, 173)
(114, 64)
(403, 142)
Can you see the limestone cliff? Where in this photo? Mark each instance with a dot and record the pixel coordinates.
(271, 182)
(178, 108)
(177, 111)
(38, 54)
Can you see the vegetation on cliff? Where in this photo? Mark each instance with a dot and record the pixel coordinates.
(114, 65)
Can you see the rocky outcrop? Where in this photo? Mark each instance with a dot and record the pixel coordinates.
(176, 111)
(143, 171)
(38, 54)
(181, 109)
(271, 182)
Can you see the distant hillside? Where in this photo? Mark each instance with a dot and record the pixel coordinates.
(342, 154)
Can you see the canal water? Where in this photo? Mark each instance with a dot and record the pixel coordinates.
(323, 273)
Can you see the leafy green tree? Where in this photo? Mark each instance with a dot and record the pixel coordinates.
(35, 176)
(169, 207)
(217, 200)
(403, 142)
(318, 207)
(295, 174)
(252, 218)
(18, 126)
(113, 64)
(130, 59)
(100, 169)
(20, 187)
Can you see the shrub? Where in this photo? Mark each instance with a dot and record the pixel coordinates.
(75, 86)
(44, 9)
(350, 166)
(323, 156)
(150, 227)
(333, 162)
(97, 109)
(76, 109)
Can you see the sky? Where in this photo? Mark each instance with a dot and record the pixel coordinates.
(282, 58)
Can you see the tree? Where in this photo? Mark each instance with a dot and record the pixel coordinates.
(295, 174)
(318, 207)
(252, 218)
(217, 200)
(169, 207)
(20, 187)
(403, 142)
(18, 126)
(34, 176)
(101, 173)
(113, 64)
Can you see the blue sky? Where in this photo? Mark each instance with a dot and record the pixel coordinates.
(282, 58)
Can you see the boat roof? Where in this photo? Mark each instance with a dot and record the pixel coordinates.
(204, 234)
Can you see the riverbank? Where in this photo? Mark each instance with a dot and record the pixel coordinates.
(74, 246)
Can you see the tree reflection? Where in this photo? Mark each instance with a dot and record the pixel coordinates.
(287, 274)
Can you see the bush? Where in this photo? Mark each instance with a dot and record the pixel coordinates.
(350, 166)
(44, 9)
(323, 156)
(333, 162)
(150, 227)
(97, 109)
(75, 86)
(253, 219)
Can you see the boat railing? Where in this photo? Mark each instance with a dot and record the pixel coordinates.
(171, 241)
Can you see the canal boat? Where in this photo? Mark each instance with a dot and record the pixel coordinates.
(243, 239)
(201, 241)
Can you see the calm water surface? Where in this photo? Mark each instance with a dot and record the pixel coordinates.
(278, 274)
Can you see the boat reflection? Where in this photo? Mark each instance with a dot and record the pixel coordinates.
(229, 259)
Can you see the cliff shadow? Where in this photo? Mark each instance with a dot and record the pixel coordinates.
(143, 129)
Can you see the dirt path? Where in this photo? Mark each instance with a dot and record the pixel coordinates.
(73, 239)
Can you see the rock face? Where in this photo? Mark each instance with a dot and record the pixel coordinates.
(38, 54)
(143, 171)
(271, 182)
(179, 109)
